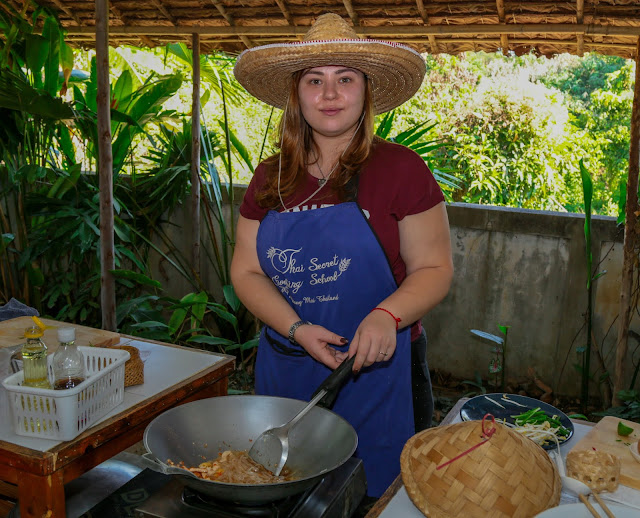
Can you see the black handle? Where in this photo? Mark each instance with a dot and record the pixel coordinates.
(334, 382)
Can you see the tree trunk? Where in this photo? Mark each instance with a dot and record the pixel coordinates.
(629, 237)
(105, 168)
(195, 157)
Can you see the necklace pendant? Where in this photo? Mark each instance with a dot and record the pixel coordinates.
(322, 181)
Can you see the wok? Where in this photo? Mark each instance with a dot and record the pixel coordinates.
(198, 431)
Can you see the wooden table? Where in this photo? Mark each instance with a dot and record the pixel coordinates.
(38, 474)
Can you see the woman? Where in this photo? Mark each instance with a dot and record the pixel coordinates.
(343, 241)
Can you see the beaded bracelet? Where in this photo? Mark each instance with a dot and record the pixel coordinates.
(398, 320)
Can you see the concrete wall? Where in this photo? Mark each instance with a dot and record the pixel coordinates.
(527, 270)
(519, 268)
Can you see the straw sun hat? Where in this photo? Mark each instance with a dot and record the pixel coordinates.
(396, 71)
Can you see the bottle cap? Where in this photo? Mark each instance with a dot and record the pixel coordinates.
(66, 334)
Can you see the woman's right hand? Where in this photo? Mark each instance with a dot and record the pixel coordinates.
(318, 341)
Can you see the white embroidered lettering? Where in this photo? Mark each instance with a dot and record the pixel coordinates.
(323, 278)
(283, 260)
(285, 285)
(327, 298)
(315, 266)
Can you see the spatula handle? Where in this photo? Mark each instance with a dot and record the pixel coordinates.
(334, 382)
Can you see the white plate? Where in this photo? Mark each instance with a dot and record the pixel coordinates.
(580, 511)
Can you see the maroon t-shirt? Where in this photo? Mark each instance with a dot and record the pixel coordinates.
(393, 184)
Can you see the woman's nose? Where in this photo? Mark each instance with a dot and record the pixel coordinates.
(330, 90)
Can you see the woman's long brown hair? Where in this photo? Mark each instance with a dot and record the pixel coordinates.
(296, 141)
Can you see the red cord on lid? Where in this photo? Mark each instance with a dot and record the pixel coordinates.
(398, 320)
(486, 435)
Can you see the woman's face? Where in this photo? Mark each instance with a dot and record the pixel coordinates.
(332, 99)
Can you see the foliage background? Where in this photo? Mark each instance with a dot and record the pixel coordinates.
(514, 128)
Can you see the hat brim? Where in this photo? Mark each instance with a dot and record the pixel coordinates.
(395, 71)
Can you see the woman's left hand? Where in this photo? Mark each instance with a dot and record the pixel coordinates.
(374, 340)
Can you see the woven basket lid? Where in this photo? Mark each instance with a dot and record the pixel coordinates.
(510, 475)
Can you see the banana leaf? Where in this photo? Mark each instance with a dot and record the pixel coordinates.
(17, 94)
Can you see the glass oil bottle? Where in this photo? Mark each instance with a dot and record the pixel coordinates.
(34, 359)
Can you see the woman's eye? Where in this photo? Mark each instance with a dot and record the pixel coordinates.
(345, 79)
(315, 82)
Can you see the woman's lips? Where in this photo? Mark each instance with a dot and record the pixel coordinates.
(330, 111)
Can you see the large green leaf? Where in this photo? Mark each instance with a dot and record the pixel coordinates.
(51, 33)
(17, 94)
(139, 278)
(146, 106)
(383, 129)
(37, 52)
(122, 90)
(231, 297)
(209, 340)
(152, 97)
(66, 63)
(587, 189)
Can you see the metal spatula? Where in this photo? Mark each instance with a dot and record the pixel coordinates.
(271, 448)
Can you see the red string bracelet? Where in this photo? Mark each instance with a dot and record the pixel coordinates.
(398, 320)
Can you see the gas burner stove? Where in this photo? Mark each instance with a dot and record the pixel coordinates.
(337, 495)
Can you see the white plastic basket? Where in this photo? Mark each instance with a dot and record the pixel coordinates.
(65, 414)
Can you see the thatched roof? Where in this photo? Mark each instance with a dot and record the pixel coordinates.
(440, 26)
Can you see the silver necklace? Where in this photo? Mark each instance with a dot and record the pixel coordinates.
(326, 178)
(323, 180)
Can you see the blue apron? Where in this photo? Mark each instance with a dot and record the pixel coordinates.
(329, 265)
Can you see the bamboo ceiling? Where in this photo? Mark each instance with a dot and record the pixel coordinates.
(440, 26)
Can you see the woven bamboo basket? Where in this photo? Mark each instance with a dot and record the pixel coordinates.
(508, 476)
(134, 367)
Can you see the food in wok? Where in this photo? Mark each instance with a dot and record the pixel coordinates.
(235, 467)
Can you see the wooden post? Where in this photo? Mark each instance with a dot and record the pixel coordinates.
(195, 157)
(105, 167)
(629, 256)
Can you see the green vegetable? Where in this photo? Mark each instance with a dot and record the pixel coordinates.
(536, 416)
(623, 429)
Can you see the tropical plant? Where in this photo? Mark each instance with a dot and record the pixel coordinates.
(630, 408)
(32, 115)
(414, 138)
(585, 369)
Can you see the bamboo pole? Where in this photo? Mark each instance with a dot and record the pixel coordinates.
(105, 168)
(195, 157)
(629, 254)
(351, 12)
(580, 20)
(504, 39)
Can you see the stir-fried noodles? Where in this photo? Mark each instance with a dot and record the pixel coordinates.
(236, 467)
